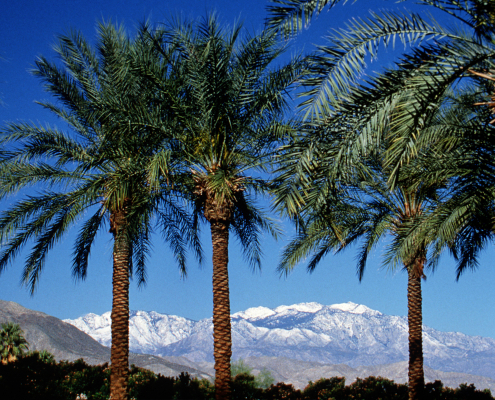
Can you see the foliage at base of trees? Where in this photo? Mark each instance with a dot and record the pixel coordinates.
(378, 388)
(263, 380)
(37, 376)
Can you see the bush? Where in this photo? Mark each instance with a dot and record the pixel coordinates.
(31, 378)
(373, 388)
(469, 392)
(323, 389)
(243, 386)
(91, 380)
(145, 385)
(282, 391)
(186, 387)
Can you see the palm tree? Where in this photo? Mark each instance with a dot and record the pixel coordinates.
(359, 207)
(336, 203)
(46, 357)
(12, 342)
(397, 105)
(231, 110)
(342, 196)
(112, 167)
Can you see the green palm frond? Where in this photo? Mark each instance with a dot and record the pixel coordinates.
(141, 247)
(84, 241)
(291, 16)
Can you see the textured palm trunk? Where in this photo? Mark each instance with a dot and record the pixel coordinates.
(119, 357)
(222, 337)
(415, 320)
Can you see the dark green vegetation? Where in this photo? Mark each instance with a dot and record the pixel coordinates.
(37, 377)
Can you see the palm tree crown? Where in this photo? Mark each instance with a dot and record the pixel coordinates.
(12, 342)
(465, 51)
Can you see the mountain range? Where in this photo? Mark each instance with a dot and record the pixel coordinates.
(348, 333)
(44, 332)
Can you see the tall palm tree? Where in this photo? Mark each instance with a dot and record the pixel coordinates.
(12, 342)
(396, 105)
(231, 111)
(112, 167)
(358, 207)
(342, 196)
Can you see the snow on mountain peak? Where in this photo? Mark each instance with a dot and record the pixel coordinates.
(254, 313)
(257, 313)
(354, 308)
(301, 307)
(346, 333)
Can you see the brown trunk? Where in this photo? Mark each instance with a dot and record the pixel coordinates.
(415, 319)
(222, 338)
(119, 357)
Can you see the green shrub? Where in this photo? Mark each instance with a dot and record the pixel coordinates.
(282, 391)
(469, 392)
(325, 388)
(31, 378)
(373, 388)
(243, 386)
(91, 380)
(186, 387)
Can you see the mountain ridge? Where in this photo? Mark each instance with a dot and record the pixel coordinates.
(345, 333)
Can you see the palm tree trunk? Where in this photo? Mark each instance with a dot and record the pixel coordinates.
(222, 337)
(119, 357)
(415, 320)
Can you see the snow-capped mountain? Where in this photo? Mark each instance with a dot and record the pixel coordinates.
(149, 332)
(346, 333)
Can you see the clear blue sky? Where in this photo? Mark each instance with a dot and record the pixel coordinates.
(29, 28)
